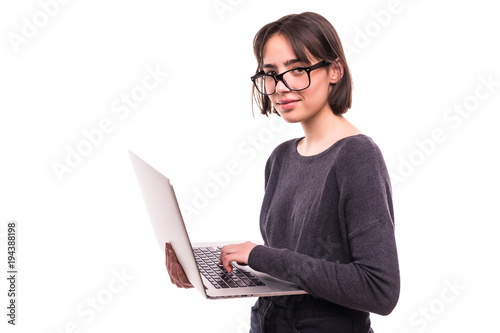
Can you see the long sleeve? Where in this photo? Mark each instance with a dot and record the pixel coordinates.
(337, 230)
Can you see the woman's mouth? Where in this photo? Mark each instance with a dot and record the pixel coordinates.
(287, 104)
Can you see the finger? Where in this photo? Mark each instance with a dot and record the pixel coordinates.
(177, 273)
(222, 257)
(228, 255)
(182, 277)
(226, 263)
(225, 251)
(170, 270)
(168, 249)
(171, 260)
(174, 269)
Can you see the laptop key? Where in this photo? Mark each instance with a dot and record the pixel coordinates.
(258, 282)
(240, 283)
(208, 263)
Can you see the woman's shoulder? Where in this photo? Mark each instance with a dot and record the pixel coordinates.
(355, 144)
(358, 151)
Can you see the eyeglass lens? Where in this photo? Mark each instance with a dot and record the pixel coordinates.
(294, 80)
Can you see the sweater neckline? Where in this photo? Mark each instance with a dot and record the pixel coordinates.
(324, 152)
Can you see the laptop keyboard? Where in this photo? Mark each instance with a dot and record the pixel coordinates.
(208, 258)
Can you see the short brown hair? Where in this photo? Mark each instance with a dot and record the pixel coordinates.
(308, 33)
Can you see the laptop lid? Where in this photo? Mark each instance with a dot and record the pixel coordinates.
(166, 218)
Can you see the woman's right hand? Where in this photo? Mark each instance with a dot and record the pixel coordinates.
(174, 269)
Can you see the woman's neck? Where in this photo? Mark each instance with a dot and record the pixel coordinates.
(323, 131)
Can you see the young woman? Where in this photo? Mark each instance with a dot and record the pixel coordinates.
(327, 216)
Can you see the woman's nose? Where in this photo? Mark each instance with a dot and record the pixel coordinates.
(281, 87)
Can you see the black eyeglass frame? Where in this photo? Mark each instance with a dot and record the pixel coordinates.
(279, 77)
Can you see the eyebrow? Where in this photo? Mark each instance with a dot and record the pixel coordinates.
(286, 63)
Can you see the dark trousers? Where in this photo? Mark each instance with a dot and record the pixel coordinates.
(305, 314)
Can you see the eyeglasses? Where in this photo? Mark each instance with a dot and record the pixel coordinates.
(295, 79)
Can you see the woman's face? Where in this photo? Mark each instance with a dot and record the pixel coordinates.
(297, 106)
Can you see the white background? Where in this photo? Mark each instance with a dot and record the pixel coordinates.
(77, 232)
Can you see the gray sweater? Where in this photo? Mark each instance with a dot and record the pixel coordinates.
(328, 225)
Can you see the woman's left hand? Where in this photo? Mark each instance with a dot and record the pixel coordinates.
(235, 252)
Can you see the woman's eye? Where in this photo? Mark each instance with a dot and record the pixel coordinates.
(271, 73)
(298, 71)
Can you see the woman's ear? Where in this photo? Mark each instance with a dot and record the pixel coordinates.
(336, 71)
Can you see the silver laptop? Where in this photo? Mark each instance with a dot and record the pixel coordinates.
(199, 260)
